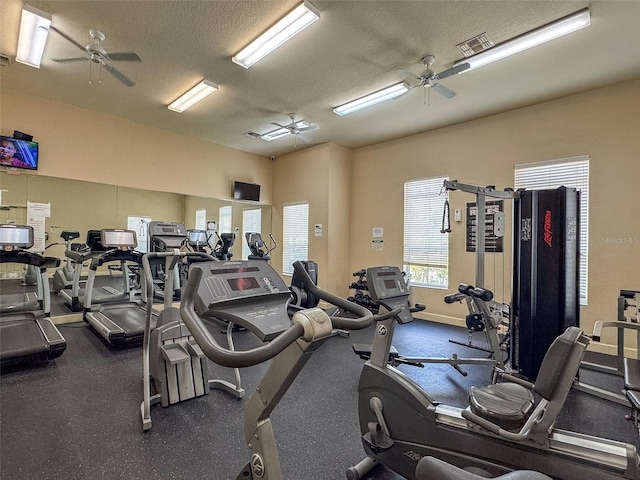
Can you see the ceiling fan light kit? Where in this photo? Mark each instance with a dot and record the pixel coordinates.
(288, 26)
(34, 29)
(193, 96)
(300, 126)
(551, 31)
(372, 99)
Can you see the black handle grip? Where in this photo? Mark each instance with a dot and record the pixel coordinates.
(365, 317)
(482, 294)
(453, 298)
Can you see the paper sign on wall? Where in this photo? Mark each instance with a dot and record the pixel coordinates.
(140, 225)
(36, 214)
(377, 244)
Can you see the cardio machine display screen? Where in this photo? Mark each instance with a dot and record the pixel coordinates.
(390, 284)
(243, 283)
(12, 236)
(119, 238)
(221, 271)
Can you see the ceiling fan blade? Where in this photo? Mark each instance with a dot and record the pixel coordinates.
(442, 90)
(65, 60)
(124, 57)
(281, 126)
(68, 38)
(411, 74)
(116, 73)
(308, 128)
(453, 70)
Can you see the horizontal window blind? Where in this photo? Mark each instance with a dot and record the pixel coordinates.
(568, 172)
(295, 235)
(251, 222)
(224, 219)
(426, 250)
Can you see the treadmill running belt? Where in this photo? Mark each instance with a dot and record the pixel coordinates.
(21, 339)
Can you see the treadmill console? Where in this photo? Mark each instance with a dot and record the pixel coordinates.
(166, 235)
(388, 287)
(14, 237)
(249, 293)
(197, 238)
(117, 238)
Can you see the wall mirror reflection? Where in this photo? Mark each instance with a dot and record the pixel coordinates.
(64, 212)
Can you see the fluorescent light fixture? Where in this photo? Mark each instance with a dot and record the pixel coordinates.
(536, 37)
(294, 22)
(373, 98)
(193, 96)
(302, 125)
(34, 29)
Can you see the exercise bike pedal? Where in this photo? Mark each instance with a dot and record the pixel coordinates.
(376, 439)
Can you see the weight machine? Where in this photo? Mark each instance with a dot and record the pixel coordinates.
(485, 314)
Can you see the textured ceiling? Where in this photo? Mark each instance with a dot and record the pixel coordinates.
(356, 47)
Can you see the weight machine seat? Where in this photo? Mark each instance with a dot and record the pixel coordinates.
(500, 406)
(430, 468)
(631, 374)
(506, 404)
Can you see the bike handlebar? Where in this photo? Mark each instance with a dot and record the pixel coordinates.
(365, 317)
(254, 356)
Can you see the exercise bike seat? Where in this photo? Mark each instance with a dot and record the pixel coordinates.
(431, 468)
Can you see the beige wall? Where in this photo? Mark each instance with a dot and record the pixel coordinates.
(81, 144)
(350, 192)
(603, 124)
(321, 176)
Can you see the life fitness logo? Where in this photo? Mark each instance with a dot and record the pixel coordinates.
(548, 233)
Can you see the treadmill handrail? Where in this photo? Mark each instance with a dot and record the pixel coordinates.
(116, 255)
(29, 258)
(146, 266)
(247, 358)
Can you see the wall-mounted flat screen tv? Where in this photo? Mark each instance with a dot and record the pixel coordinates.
(18, 153)
(246, 191)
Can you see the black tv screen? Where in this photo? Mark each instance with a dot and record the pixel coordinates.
(18, 153)
(246, 191)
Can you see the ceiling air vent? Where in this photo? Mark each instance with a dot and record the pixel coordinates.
(475, 45)
(4, 60)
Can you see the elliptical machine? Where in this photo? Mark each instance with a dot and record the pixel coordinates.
(174, 366)
(505, 429)
(258, 247)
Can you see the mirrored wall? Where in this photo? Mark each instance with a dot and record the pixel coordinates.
(82, 206)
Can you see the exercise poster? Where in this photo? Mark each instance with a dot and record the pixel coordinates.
(493, 226)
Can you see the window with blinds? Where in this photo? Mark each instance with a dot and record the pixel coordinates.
(567, 172)
(295, 235)
(426, 250)
(251, 222)
(224, 219)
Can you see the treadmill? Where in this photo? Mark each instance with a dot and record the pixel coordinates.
(120, 324)
(74, 297)
(28, 336)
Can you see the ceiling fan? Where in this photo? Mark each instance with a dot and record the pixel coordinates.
(97, 54)
(295, 128)
(429, 79)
